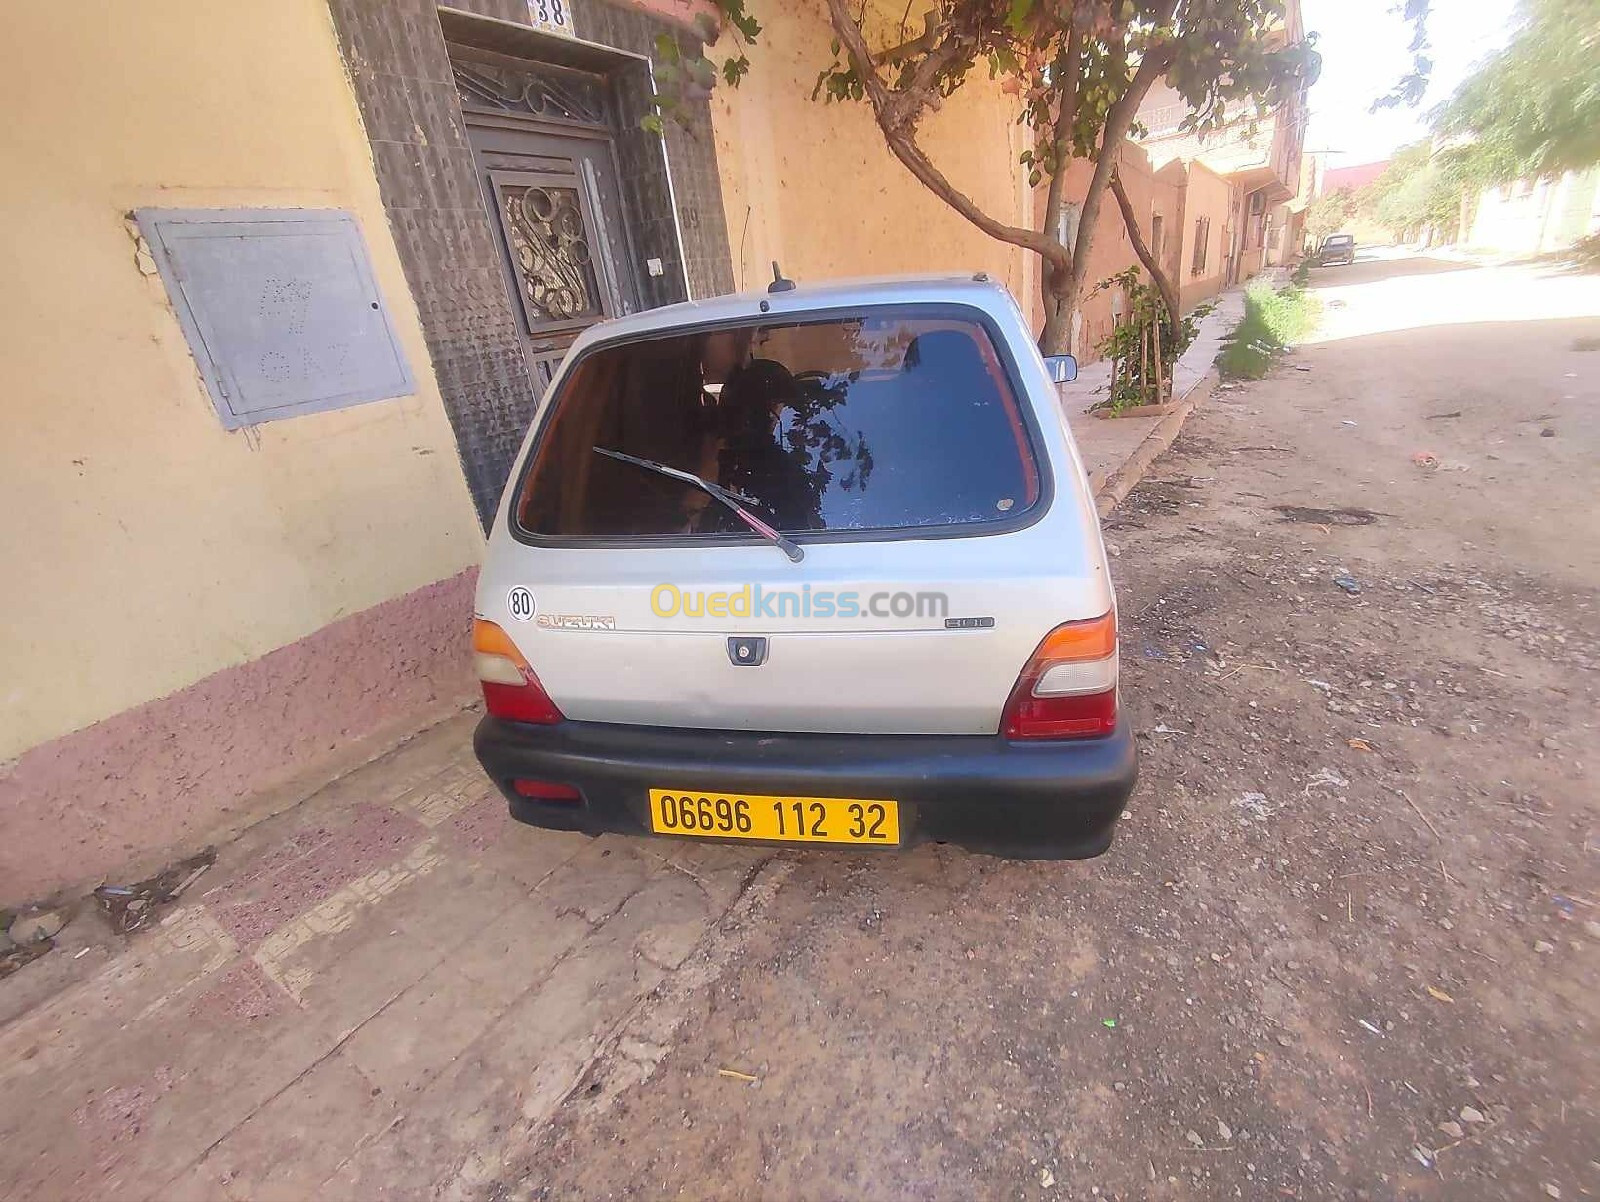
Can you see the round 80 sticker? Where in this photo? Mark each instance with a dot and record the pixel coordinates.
(520, 601)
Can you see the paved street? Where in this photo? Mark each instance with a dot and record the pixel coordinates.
(1345, 945)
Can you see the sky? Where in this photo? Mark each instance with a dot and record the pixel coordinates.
(1363, 45)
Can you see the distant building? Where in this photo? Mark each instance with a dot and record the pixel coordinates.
(1536, 216)
(1213, 210)
(1237, 182)
(1338, 179)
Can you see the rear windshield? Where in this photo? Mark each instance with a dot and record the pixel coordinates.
(867, 423)
(1339, 240)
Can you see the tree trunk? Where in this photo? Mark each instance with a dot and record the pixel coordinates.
(1164, 284)
(1060, 303)
(1118, 118)
(1057, 304)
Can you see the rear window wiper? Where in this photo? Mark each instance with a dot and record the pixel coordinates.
(716, 493)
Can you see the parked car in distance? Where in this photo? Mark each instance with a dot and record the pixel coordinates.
(1337, 248)
(810, 565)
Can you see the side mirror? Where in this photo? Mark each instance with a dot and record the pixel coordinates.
(1063, 369)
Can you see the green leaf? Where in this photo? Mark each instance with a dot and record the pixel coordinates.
(708, 28)
(1018, 14)
(667, 48)
(652, 123)
(734, 69)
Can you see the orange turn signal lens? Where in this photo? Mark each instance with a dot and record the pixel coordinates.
(489, 639)
(510, 688)
(1068, 688)
(1074, 641)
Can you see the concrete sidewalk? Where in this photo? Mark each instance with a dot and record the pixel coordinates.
(381, 993)
(1117, 451)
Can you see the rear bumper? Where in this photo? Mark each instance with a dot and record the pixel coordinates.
(1045, 800)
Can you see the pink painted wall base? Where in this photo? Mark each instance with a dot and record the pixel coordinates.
(171, 773)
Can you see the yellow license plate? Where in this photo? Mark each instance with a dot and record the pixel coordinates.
(782, 819)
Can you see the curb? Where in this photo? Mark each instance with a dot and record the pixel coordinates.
(1114, 489)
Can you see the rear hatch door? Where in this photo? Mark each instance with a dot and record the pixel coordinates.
(897, 451)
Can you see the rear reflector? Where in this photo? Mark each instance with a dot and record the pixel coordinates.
(545, 790)
(510, 689)
(1068, 688)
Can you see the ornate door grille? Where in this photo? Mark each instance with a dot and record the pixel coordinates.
(542, 139)
(551, 253)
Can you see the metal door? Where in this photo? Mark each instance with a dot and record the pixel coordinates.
(549, 182)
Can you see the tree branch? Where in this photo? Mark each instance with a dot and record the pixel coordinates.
(1055, 281)
(1130, 219)
(923, 42)
(899, 131)
(1118, 118)
(1066, 118)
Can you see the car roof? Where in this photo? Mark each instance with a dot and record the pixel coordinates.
(976, 289)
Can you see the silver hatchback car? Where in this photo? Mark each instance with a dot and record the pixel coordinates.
(810, 565)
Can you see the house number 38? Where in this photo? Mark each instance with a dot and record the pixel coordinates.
(549, 12)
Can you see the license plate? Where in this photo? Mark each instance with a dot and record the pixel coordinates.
(780, 819)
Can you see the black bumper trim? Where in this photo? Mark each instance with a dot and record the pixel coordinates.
(1044, 800)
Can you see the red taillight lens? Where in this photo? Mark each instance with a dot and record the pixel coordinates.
(545, 790)
(520, 703)
(510, 689)
(1068, 689)
(1062, 717)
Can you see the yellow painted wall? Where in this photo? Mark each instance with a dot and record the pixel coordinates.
(814, 186)
(143, 546)
(1206, 195)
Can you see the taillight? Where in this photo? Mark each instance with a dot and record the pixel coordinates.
(1068, 689)
(510, 689)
